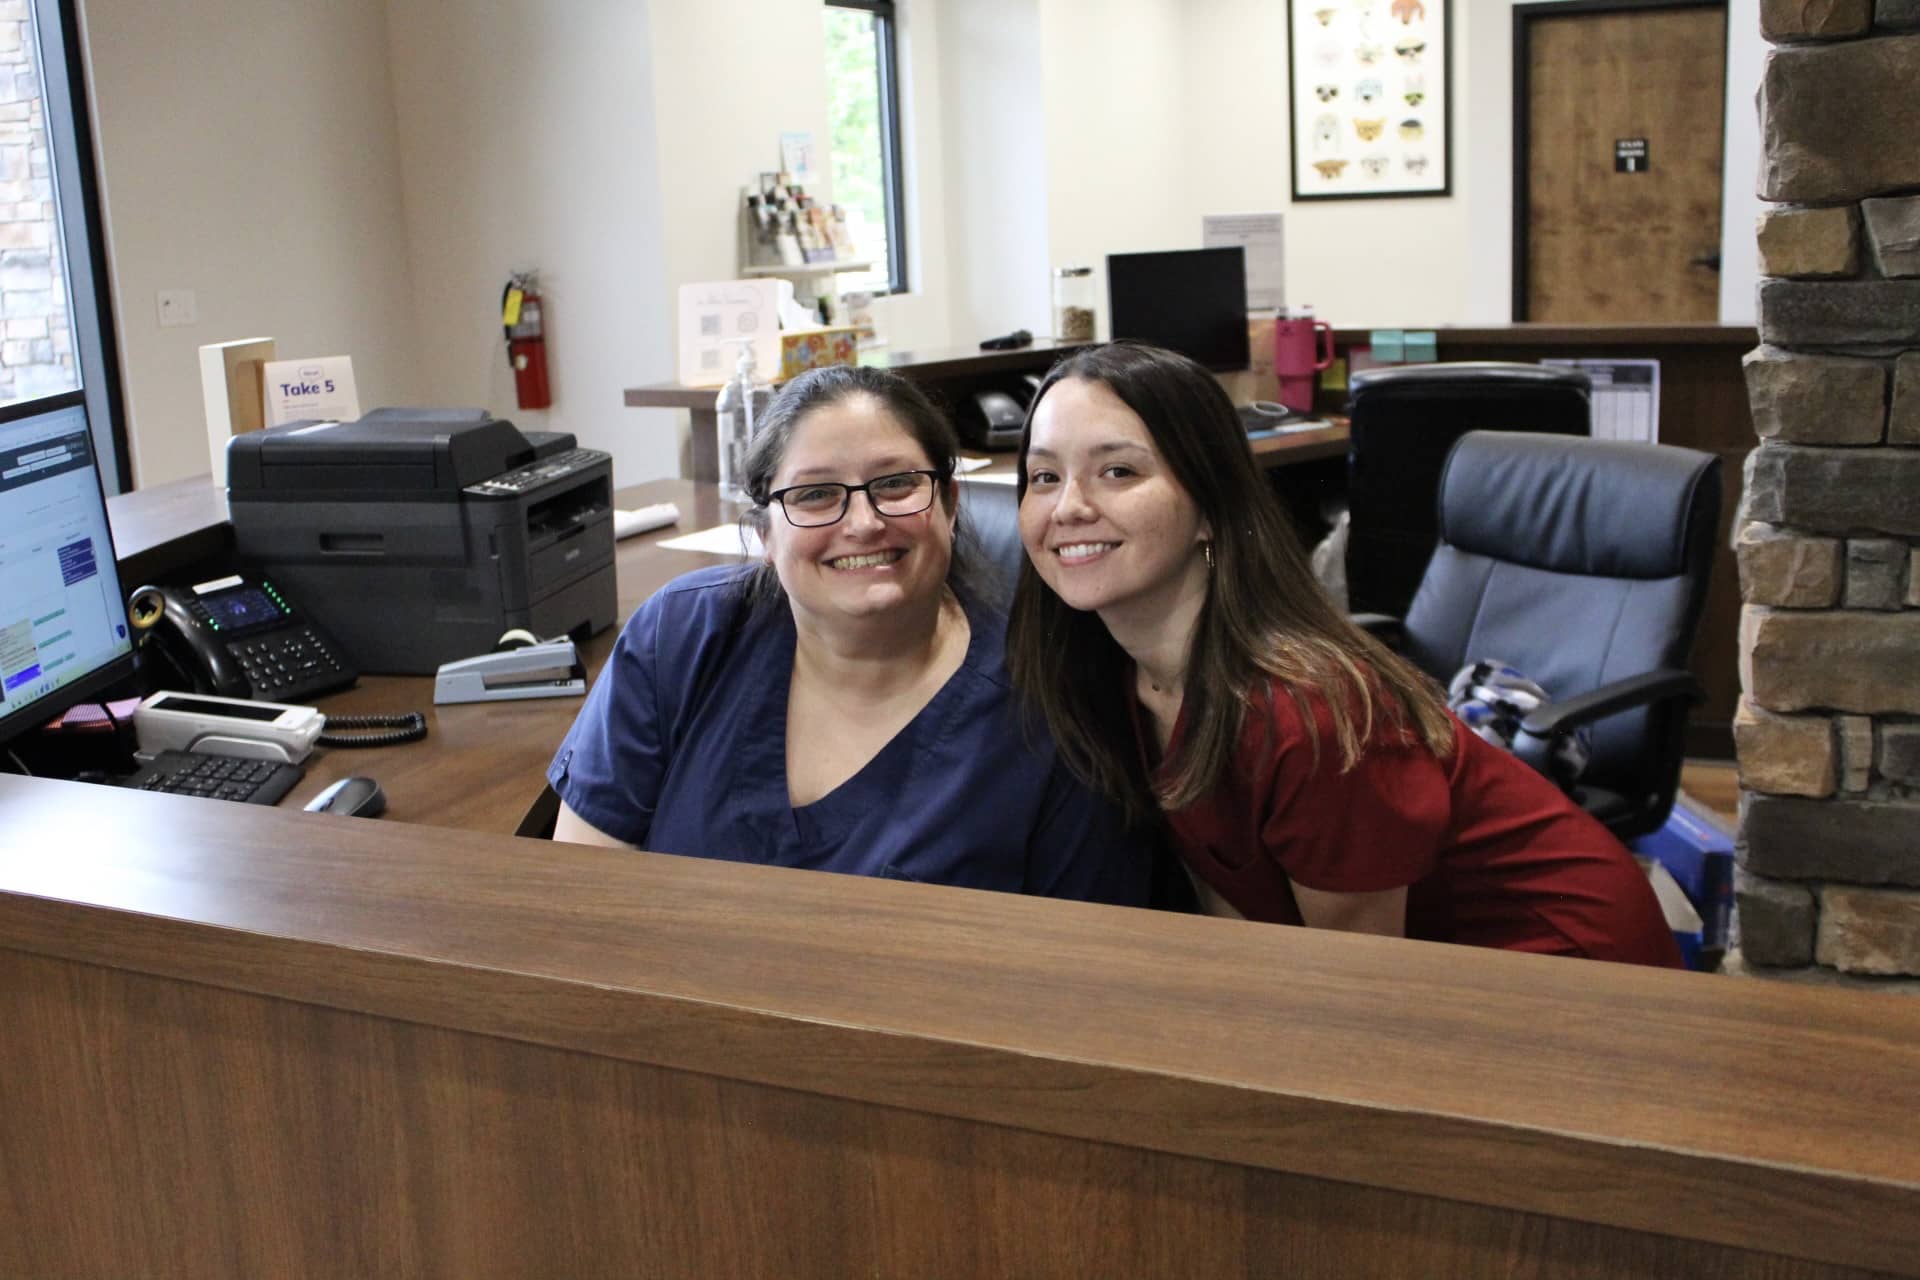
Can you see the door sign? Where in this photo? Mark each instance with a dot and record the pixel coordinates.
(1630, 155)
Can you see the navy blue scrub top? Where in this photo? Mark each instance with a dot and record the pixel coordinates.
(680, 747)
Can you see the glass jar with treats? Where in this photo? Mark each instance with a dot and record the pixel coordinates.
(1073, 310)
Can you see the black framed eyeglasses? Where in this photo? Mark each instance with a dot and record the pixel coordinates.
(809, 506)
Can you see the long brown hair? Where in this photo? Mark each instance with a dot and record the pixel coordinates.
(1265, 622)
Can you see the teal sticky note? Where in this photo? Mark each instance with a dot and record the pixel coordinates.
(1422, 347)
(1388, 346)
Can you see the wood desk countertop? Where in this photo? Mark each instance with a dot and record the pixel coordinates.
(481, 763)
(1756, 1115)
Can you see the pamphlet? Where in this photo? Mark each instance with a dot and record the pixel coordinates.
(320, 390)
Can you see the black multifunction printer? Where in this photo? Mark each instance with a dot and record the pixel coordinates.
(418, 536)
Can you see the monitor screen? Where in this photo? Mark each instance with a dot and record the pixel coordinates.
(63, 619)
(1193, 301)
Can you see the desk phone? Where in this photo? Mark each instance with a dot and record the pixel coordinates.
(241, 638)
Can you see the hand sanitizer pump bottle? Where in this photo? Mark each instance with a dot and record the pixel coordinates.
(741, 405)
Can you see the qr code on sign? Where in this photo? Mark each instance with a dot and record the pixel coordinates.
(710, 325)
(710, 358)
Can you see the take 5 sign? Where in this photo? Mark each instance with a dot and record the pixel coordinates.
(313, 389)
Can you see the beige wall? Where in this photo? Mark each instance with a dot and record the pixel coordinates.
(528, 137)
(359, 178)
(248, 152)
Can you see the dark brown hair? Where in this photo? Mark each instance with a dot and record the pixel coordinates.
(1265, 623)
(909, 406)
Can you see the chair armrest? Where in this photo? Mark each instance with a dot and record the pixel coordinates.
(1384, 627)
(1621, 695)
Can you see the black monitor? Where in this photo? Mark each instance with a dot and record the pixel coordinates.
(63, 618)
(1193, 301)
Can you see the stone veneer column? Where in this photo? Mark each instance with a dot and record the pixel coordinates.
(1828, 733)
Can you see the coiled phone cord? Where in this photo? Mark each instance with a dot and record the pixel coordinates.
(408, 726)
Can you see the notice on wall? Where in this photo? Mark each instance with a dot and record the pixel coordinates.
(310, 389)
(1626, 398)
(1630, 155)
(796, 156)
(1260, 234)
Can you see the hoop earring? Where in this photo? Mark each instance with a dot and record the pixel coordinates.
(1206, 549)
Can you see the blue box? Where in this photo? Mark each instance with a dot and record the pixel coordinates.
(1698, 852)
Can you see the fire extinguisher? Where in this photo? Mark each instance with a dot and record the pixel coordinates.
(520, 313)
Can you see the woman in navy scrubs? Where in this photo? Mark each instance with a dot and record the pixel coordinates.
(843, 705)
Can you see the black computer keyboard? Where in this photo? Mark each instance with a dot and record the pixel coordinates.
(193, 773)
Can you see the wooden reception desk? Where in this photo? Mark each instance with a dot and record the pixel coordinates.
(250, 1042)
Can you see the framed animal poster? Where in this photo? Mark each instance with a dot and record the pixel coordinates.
(1368, 87)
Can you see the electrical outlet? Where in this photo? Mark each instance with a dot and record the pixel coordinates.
(178, 307)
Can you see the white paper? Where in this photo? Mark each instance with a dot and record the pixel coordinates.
(721, 540)
(998, 477)
(297, 389)
(219, 362)
(796, 156)
(966, 464)
(714, 316)
(1261, 235)
(1626, 398)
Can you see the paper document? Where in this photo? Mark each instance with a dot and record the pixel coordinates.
(1261, 236)
(1626, 397)
(721, 540)
(321, 388)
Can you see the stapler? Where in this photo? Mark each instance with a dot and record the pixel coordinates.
(548, 670)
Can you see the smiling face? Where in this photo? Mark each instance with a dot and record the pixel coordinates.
(867, 564)
(1104, 521)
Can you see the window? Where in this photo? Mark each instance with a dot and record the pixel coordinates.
(54, 315)
(863, 102)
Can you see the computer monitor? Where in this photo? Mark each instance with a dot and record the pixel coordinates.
(63, 618)
(1193, 301)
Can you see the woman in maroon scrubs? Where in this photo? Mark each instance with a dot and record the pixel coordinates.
(1185, 658)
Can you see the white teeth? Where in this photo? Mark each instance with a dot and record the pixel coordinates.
(867, 561)
(1082, 550)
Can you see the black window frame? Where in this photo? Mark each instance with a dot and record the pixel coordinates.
(887, 65)
(70, 145)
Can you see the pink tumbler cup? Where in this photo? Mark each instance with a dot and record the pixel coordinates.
(1302, 347)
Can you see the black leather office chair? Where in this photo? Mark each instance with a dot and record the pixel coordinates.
(1582, 564)
(992, 513)
(1405, 418)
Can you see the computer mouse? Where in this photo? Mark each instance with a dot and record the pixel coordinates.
(358, 797)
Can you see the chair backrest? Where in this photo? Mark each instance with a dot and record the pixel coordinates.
(1405, 418)
(1578, 563)
(992, 513)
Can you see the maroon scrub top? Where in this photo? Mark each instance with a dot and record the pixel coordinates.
(1492, 854)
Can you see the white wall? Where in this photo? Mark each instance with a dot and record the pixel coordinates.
(247, 152)
(1357, 262)
(369, 194)
(1113, 85)
(995, 179)
(528, 137)
(730, 76)
(922, 318)
(1159, 112)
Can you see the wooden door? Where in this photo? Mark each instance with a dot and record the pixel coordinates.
(1618, 198)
